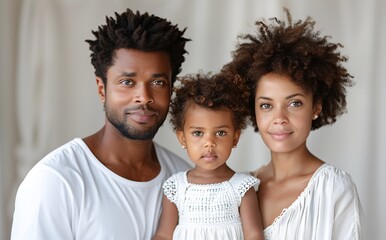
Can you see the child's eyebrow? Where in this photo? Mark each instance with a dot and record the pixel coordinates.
(221, 126)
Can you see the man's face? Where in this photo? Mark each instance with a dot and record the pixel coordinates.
(137, 92)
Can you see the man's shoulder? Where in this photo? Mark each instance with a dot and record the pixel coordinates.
(170, 159)
(66, 153)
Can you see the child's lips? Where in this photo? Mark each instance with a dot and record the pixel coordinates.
(209, 157)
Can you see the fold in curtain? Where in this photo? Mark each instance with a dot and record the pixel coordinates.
(37, 66)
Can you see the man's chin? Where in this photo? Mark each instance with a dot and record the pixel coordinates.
(140, 135)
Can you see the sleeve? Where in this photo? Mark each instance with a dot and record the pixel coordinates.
(43, 207)
(246, 183)
(348, 212)
(170, 188)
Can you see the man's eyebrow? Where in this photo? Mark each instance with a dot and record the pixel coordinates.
(129, 74)
(155, 75)
(158, 75)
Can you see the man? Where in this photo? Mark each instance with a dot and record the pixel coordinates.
(108, 185)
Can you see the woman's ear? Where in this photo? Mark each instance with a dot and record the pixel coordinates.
(101, 89)
(317, 110)
(181, 138)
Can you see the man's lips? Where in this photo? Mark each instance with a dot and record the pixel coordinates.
(142, 116)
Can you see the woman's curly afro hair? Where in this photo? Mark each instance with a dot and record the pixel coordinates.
(220, 91)
(298, 51)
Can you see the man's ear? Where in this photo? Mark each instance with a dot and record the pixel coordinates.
(181, 138)
(101, 89)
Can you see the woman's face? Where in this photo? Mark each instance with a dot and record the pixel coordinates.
(284, 112)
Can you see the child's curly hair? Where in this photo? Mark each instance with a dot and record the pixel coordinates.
(296, 50)
(220, 91)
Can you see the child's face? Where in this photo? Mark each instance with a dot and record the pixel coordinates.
(284, 113)
(209, 136)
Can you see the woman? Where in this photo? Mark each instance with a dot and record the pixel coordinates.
(297, 84)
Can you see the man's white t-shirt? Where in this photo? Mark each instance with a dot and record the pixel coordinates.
(70, 194)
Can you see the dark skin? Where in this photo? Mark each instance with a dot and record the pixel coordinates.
(277, 191)
(119, 156)
(137, 96)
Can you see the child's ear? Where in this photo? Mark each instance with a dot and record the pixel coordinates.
(236, 137)
(181, 138)
(101, 89)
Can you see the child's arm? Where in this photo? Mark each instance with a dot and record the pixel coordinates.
(250, 216)
(168, 220)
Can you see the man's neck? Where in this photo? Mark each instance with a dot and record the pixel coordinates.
(132, 159)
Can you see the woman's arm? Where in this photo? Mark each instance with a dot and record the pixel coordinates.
(250, 216)
(168, 220)
(348, 214)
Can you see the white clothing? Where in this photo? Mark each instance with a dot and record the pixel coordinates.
(208, 211)
(327, 209)
(70, 194)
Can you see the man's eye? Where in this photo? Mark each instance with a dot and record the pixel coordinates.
(127, 82)
(197, 133)
(159, 82)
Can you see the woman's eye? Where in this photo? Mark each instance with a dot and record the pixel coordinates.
(197, 133)
(265, 106)
(295, 104)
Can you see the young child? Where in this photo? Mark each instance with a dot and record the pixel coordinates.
(210, 201)
(297, 84)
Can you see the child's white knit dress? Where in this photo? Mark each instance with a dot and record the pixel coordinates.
(208, 211)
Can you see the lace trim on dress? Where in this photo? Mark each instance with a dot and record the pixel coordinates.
(302, 195)
(205, 185)
(246, 184)
(170, 188)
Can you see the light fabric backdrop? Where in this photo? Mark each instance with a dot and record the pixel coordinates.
(49, 95)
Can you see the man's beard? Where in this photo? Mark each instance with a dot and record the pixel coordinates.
(130, 131)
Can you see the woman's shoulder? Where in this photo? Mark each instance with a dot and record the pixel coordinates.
(329, 176)
(332, 173)
(261, 172)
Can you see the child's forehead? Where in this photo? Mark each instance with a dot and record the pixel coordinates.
(197, 105)
(198, 115)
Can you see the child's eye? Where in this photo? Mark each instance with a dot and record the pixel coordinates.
(221, 133)
(197, 133)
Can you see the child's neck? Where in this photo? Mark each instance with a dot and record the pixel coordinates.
(200, 175)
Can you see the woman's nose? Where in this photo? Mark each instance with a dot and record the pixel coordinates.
(280, 117)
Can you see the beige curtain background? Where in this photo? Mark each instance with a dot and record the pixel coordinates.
(48, 94)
